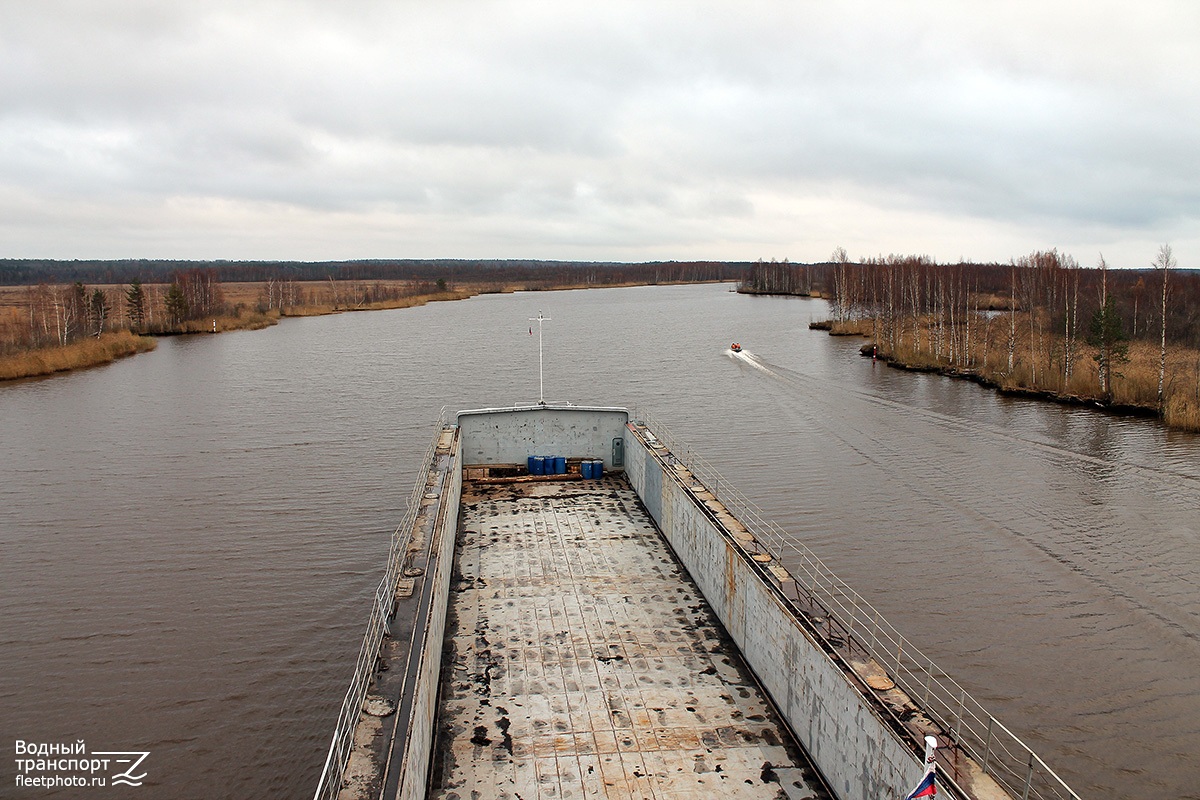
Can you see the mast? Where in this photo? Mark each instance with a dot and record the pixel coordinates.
(539, 319)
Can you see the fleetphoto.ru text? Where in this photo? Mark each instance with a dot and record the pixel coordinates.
(50, 765)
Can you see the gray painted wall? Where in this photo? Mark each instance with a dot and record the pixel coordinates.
(418, 751)
(853, 747)
(510, 435)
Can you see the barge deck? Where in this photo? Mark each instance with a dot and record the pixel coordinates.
(634, 636)
(582, 661)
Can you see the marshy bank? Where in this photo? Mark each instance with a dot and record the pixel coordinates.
(1041, 326)
(88, 352)
(1129, 387)
(50, 328)
(80, 337)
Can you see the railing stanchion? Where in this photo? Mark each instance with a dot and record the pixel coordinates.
(962, 701)
(987, 747)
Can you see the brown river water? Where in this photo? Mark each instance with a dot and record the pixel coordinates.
(189, 538)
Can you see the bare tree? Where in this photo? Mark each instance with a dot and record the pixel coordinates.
(841, 282)
(1070, 321)
(1137, 292)
(1166, 262)
(1012, 317)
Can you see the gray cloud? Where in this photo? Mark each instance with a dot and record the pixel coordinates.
(628, 130)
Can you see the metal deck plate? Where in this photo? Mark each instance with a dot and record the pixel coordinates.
(583, 662)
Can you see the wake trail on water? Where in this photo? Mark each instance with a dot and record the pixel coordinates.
(753, 361)
(1184, 482)
(885, 455)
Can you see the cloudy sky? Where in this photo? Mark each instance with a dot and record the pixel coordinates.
(311, 129)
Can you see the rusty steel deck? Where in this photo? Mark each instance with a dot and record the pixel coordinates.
(581, 661)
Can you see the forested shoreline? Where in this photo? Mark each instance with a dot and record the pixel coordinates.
(61, 315)
(532, 273)
(1041, 325)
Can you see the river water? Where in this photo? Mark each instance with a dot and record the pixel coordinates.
(189, 538)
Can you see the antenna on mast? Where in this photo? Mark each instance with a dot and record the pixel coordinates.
(539, 319)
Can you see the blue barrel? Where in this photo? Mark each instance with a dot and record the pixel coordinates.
(529, 464)
(538, 465)
(585, 469)
(598, 468)
(560, 465)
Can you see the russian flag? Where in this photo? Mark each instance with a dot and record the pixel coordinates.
(926, 788)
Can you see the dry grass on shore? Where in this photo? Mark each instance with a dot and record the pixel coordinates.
(252, 321)
(850, 327)
(84, 353)
(1182, 413)
(243, 301)
(409, 301)
(1040, 370)
(249, 306)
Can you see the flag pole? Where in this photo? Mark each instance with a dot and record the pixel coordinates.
(927, 786)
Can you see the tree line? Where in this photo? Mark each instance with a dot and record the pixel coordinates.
(20, 272)
(1042, 322)
(60, 314)
(894, 291)
(158, 297)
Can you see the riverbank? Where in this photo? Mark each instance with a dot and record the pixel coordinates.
(1134, 389)
(88, 352)
(250, 305)
(279, 299)
(243, 309)
(813, 293)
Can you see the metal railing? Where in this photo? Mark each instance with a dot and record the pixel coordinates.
(381, 611)
(846, 615)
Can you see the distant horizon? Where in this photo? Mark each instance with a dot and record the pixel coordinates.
(520, 260)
